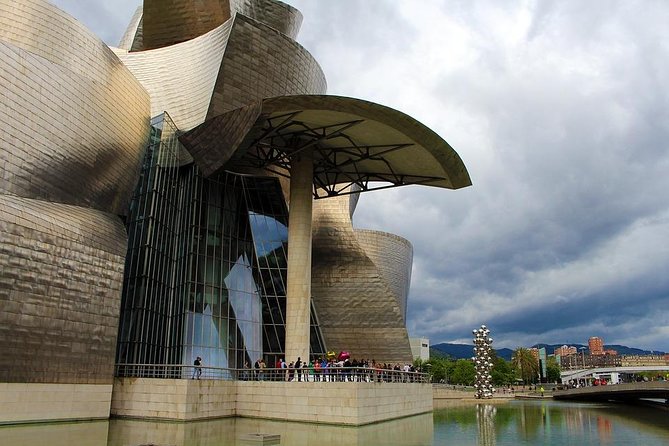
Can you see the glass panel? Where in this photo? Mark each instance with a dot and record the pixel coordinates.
(206, 265)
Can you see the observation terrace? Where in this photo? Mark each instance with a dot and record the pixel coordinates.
(305, 374)
(344, 396)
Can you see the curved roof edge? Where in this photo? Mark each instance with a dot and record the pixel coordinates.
(409, 126)
(393, 147)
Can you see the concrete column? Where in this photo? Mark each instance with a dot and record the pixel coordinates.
(298, 288)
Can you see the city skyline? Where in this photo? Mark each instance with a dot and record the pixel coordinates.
(558, 111)
(559, 345)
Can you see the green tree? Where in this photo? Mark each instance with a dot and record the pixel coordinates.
(439, 367)
(552, 370)
(463, 373)
(502, 373)
(526, 364)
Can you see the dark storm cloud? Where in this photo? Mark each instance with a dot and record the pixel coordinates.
(560, 112)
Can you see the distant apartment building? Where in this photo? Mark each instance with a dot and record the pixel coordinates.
(643, 360)
(535, 353)
(589, 361)
(565, 351)
(605, 360)
(596, 346)
(573, 362)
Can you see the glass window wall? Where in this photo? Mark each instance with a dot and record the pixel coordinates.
(206, 266)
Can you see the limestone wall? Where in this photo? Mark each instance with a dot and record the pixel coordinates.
(29, 402)
(173, 399)
(330, 403)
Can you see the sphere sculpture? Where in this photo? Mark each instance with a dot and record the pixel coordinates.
(483, 362)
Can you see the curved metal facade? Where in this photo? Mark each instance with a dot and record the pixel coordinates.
(274, 65)
(61, 269)
(73, 127)
(358, 309)
(74, 117)
(278, 15)
(169, 22)
(393, 256)
(219, 71)
(180, 78)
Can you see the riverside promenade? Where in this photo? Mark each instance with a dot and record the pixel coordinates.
(626, 392)
(445, 395)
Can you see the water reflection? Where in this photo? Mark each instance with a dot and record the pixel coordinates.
(545, 422)
(408, 431)
(499, 424)
(60, 434)
(485, 417)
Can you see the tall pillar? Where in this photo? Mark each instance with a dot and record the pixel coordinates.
(298, 288)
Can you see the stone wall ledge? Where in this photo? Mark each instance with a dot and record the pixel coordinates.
(352, 404)
(37, 403)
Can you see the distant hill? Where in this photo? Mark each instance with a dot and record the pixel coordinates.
(465, 351)
(455, 351)
(505, 353)
(624, 350)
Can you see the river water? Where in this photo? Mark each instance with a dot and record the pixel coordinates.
(512, 423)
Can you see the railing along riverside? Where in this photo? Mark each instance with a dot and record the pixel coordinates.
(330, 374)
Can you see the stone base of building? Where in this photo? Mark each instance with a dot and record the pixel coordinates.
(343, 403)
(33, 402)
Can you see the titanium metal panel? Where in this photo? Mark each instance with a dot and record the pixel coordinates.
(168, 22)
(73, 126)
(357, 309)
(219, 71)
(180, 78)
(227, 133)
(61, 269)
(393, 256)
(273, 65)
(74, 120)
(278, 15)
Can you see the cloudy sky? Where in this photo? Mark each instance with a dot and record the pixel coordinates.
(559, 110)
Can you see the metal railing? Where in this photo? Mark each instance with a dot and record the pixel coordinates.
(330, 374)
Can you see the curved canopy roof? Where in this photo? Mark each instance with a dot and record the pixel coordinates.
(354, 142)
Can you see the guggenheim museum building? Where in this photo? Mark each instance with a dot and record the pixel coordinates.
(190, 193)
